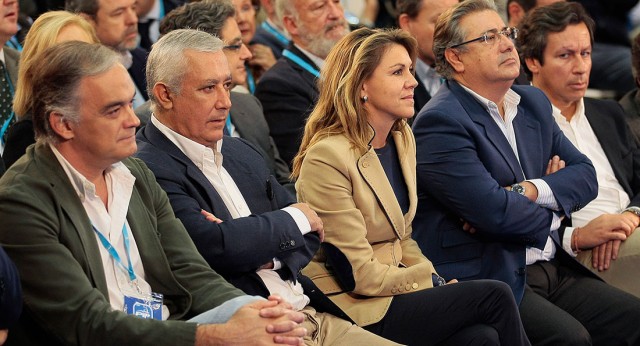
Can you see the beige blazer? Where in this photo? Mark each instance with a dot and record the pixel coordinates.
(352, 195)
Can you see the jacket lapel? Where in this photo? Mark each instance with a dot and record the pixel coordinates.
(160, 141)
(372, 172)
(480, 116)
(529, 143)
(74, 211)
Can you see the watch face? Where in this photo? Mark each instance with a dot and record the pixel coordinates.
(518, 188)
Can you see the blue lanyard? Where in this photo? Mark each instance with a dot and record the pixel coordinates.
(296, 59)
(112, 251)
(251, 82)
(7, 122)
(273, 31)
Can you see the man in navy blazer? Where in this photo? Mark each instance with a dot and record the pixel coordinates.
(555, 43)
(495, 178)
(288, 90)
(245, 225)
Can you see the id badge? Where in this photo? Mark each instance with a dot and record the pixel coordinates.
(148, 306)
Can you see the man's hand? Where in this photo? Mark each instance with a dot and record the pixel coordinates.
(602, 229)
(267, 322)
(602, 255)
(262, 56)
(312, 217)
(554, 165)
(210, 217)
(635, 220)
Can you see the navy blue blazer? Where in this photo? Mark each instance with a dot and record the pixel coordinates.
(464, 161)
(288, 94)
(138, 68)
(235, 248)
(266, 38)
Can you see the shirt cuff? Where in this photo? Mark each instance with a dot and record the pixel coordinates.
(300, 219)
(276, 264)
(566, 241)
(545, 195)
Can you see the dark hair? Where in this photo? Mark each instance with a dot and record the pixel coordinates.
(208, 16)
(56, 75)
(409, 7)
(526, 5)
(88, 7)
(449, 32)
(539, 23)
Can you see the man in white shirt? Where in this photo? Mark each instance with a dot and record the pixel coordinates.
(102, 258)
(246, 226)
(556, 44)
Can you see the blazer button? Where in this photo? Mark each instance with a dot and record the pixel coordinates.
(414, 286)
(393, 290)
(400, 289)
(407, 287)
(293, 243)
(365, 164)
(283, 246)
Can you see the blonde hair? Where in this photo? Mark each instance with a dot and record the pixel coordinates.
(42, 35)
(339, 109)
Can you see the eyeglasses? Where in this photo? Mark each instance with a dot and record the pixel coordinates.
(491, 36)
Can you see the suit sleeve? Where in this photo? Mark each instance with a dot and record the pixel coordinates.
(449, 165)
(325, 184)
(239, 245)
(58, 293)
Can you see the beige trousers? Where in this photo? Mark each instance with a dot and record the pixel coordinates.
(624, 272)
(326, 329)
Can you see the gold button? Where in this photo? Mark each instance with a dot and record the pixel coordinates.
(408, 287)
(365, 164)
(400, 289)
(393, 290)
(415, 285)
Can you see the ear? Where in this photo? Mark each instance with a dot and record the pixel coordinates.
(290, 25)
(404, 22)
(453, 58)
(60, 126)
(533, 65)
(163, 96)
(516, 13)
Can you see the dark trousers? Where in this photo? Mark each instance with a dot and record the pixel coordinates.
(563, 306)
(481, 312)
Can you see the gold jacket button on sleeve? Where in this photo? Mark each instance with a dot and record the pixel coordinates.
(415, 286)
(408, 287)
(365, 164)
(393, 290)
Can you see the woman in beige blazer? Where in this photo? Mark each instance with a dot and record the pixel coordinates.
(356, 168)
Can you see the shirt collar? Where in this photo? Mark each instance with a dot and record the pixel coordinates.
(425, 71)
(126, 59)
(196, 152)
(511, 99)
(81, 184)
(577, 116)
(314, 58)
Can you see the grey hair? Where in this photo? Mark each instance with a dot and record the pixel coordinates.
(449, 32)
(286, 8)
(167, 63)
(56, 76)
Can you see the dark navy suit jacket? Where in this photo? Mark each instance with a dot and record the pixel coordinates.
(288, 94)
(235, 248)
(464, 161)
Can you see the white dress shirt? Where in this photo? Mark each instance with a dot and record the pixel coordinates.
(612, 198)
(428, 76)
(109, 221)
(545, 198)
(210, 163)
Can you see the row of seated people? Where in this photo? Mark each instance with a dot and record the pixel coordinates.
(371, 106)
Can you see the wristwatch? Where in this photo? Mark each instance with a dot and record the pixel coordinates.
(635, 210)
(518, 188)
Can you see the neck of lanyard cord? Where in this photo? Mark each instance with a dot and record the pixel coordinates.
(298, 61)
(273, 31)
(114, 254)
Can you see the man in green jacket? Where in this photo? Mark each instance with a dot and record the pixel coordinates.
(102, 258)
